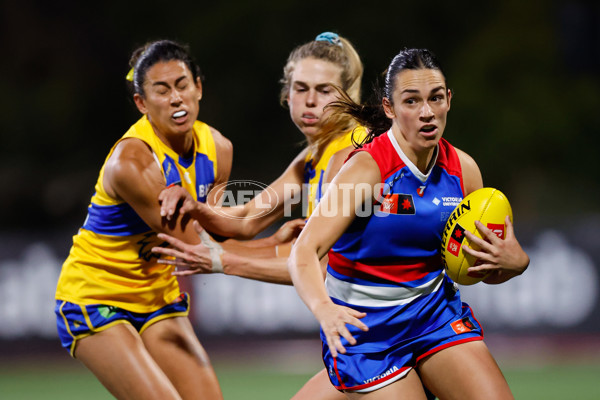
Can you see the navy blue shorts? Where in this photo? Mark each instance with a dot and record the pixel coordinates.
(76, 321)
(366, 372)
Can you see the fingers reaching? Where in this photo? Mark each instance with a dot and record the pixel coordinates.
(334, 321)
(171, 198)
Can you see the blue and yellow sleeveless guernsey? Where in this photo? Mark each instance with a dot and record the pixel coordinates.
(111, 262)
(388, 265)
(314, 172)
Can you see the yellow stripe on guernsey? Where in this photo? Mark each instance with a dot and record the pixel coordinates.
(110, 261)
(313, 174)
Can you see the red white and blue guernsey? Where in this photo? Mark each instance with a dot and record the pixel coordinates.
(388, 265)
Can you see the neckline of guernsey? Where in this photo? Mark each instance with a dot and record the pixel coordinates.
(412, 167)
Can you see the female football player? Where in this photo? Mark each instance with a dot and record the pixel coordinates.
(311, 75)
(119, 311)
(391, 320)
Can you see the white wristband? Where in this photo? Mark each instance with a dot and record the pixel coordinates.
(215, 249)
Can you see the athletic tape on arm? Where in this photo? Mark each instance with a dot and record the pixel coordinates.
(215, 251)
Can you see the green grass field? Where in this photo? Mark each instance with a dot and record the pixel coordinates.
(573, 382)
(264, 375)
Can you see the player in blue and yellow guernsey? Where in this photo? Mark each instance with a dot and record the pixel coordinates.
(391, 321)
(310, 77)
(119, 311)
(312, 73)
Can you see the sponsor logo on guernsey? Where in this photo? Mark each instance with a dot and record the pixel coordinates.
(451, 201)
(386, 373)
(203, 190)
(421, 191)
(462, 325)
(397, 203)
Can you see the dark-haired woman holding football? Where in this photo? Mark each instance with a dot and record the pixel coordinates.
(391, 320)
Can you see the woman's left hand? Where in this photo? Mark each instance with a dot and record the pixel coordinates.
(502, 258)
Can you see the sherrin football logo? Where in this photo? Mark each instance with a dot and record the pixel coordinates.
(456, 234)
(456, 239)
(487, 205)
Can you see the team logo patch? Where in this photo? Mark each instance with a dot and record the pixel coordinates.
(397, 203)
(107, 311)
(456, 239)
(462, 325)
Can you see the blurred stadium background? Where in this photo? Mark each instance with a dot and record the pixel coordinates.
(526, 78)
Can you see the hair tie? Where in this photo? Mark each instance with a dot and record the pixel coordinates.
(330, 37)
(131, 72)
(129, 75)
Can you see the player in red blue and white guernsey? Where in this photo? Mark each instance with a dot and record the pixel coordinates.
(391, 320)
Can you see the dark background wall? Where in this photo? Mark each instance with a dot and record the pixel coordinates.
(525, 76)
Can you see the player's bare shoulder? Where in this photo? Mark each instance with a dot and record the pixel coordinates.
(224, 149)
(472, 178)
(335, 162)
(221, 142)
(130, 159)
(466, 161)
(360, 168)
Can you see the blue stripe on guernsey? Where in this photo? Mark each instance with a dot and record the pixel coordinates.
(320, 187)
(205, 176)
(170, 170)
(185, 162)
(116, 220)
(379, 296)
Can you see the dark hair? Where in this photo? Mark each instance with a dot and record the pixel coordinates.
(371, 114)
(151, 53)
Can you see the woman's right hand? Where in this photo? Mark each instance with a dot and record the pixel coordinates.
(333, 319)
(289, 231)
(175, 199)
(188, 259)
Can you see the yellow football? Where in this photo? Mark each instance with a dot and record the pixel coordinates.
(488, 205)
